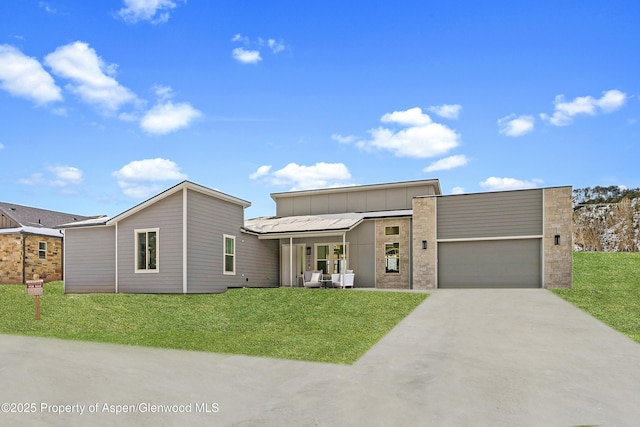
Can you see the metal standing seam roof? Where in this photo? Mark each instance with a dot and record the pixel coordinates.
(302, 224)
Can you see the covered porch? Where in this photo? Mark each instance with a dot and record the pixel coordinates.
(309, 243)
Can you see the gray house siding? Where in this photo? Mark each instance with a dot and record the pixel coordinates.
(490, 239)
(166, 215)
(90, 260)
(362, 254)
(208, 220)
(257, 263)
(513, 213)
(356, 199)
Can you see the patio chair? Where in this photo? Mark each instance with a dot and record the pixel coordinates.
(312, 279)
(336, 280)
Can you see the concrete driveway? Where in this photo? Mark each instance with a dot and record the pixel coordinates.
(463, 357)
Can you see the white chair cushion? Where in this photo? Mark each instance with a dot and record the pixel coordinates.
(315, 277)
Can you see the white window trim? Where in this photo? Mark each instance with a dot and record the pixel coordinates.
(135, 246)
(224, 255)
(45, 249)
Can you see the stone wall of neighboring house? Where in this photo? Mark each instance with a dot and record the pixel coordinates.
(11, 258)
(402, 278)
(558, 221)
(16, 268)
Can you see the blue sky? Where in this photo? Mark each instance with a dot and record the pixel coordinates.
(105, 103)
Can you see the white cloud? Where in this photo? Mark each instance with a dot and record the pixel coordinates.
(47, 7)
(92, 79)
(457, 190)
(24, 77)
(246, 56)
(65, 175)
(60, 176)
(163, 92)
(500, 184)
(343, 139)
(411, 117)
(513, 125)
(154, 11)
(420, 139)
(611, 100)
(448, 111)
(169, 117)
(447, 163)
(262, 171)
(251, 52)
(584, 105)
(301, 177)
(139, 179)
(276, 46)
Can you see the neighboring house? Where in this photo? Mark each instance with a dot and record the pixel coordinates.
(186, 239)
(406, 235)
(29, 244)
(402, 235)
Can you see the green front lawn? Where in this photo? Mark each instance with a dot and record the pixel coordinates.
(316, 325)
(607, 286)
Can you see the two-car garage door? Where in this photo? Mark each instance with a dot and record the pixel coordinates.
(490, 240)
(490, 264)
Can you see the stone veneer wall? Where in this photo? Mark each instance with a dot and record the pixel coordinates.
(402, 279)
(558, 220)
(424, 228)
(11, 258)
(13, 264)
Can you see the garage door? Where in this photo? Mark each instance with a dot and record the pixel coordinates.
(490, 264)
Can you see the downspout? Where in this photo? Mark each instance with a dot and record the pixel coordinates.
(24, 257)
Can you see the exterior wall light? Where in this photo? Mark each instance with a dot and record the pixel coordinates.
(424, 244)
(556, 239)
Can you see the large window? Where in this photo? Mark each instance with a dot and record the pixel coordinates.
(392, 257)
(42, 250)
(229, 254)
(330, 258)
(147, 250)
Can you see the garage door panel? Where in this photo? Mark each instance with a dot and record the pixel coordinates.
(490, 264)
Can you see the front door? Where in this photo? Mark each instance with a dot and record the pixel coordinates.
(298, 264)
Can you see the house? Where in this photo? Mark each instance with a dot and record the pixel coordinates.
(29, 244)
(186, 239)
(402, 235)
(407, 235)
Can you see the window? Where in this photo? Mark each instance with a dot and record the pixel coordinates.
(42, 250)
(392, 257)
(322, 258)
(229, 254)
(392, 231)
(338, 258)
(330, 258)
(147, 250)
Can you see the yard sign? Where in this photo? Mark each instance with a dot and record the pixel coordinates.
(35, 288)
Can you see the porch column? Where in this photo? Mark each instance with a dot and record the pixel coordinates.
(291, 262)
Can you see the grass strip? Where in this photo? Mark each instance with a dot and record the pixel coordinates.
(607, 286)
(315, 325)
